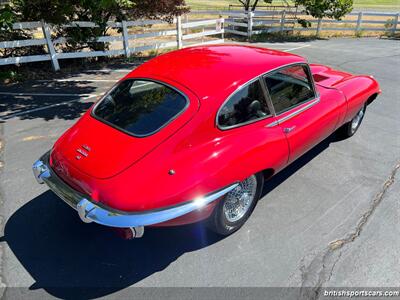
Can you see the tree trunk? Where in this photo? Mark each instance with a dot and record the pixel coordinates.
(254, 5)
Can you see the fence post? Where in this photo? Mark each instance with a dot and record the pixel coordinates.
(179, 32)
(319, 25)
(395, 21)
(250, 15)
(186, 21)
(359, 22)
(50, 45)
(283, 21)
(125, 36)
(219, 26)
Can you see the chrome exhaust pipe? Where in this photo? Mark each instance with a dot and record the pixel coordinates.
(137, 232)
(129, 233)
(133, 232)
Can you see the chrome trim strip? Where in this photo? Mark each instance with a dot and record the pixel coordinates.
(244, 123)
(227, 99)
(89, 211)
(293, 114)
(267, 96)
(272, 124)
(243, 85)
(104, 217)
(40, 171)
(296, 111)
(310, 78)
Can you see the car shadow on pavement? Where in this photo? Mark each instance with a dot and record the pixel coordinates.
(73, 260)
(31, 99)
(276, 180)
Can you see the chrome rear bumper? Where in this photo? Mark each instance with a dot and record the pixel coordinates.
(89, 211)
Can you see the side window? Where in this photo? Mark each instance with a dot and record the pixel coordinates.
(245, 105)
(289, 87)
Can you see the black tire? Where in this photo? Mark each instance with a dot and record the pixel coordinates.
(348, 129)
(219, 223)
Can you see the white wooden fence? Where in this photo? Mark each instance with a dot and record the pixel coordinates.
(184, 32)
(160, 39)
(248, 24)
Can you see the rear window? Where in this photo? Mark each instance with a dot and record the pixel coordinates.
(140, 107)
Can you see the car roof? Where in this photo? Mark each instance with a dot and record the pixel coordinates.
(215, 70)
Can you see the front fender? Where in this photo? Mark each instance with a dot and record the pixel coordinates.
(358, 90)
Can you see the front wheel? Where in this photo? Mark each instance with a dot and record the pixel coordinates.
(235, 207)
(350, 128)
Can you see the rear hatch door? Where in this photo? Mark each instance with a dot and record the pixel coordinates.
(122, 128)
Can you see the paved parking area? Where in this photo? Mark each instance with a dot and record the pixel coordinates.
(330, 219)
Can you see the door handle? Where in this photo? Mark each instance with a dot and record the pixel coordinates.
(289, 129)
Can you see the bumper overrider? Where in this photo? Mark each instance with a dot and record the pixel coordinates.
(89, 211)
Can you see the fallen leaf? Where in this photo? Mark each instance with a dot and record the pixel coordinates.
(33, 137)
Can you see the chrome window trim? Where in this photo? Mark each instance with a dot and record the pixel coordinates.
(267, 97)
(294, 113)
(244, 123)
(230, 96)
(92, 113)
(266, 94)
(311, 101)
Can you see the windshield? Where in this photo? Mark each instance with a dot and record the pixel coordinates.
(140, 107)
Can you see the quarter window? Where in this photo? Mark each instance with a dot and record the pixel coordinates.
(289, 87)
(246, 105)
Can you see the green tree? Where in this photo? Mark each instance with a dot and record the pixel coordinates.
(59, 12)
(333, 9)
(7, 33)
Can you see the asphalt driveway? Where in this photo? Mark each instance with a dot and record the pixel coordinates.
(331, 219)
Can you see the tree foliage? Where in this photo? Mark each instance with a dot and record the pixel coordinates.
(99, 11)
(59, 12)
(7, 33)
(7, 17)
(334, 9)
(250, 5)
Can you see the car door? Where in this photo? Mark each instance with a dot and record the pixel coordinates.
(244, 117)
(304, 117)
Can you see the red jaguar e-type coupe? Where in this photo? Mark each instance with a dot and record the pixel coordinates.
(192, 135)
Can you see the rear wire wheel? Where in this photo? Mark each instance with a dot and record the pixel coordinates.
(235, 207)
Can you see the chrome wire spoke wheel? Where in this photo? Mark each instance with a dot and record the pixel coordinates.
(236, 206)
(239, 200)
(357, 120)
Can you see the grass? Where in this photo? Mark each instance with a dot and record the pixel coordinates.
(358, 4)
(276, 37)
(378, 4)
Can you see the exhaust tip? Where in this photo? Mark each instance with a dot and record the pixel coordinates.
(130, 233)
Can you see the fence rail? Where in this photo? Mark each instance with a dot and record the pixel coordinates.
(281, 21)
(154, 40)
(184, 33)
